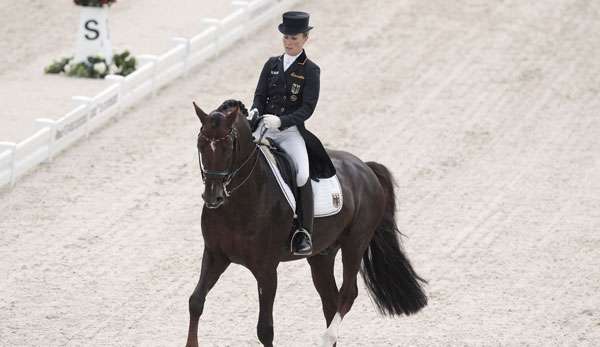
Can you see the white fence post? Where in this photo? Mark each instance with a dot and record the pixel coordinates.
(217, 24)
(12, 147)
(187, 43)
(243, 5)
(151, 59)
(50, 123)
(119, 80)
(87, 101)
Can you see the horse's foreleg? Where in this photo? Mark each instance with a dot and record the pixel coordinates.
(321, 267)
(213, 265)
(267, 286)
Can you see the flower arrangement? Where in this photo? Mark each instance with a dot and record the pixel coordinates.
(94, 3)
(94, 67)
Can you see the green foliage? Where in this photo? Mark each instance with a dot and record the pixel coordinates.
(94, 3)
(95, 66)
(58, 66)
(125, 63)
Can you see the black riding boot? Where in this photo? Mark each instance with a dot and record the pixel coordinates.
(301, 240)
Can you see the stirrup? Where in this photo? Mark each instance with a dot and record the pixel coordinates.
(300, 231)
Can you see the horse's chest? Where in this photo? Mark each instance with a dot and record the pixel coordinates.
(245, 238)
(235, 245)
(239, 244)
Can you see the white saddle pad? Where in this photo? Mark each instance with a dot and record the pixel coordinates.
(327, 192)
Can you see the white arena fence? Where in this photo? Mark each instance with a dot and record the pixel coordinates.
(154, 72)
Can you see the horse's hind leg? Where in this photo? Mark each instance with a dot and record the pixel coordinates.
(352, 250)
(213, 266)
(321, 267)
(351, 258)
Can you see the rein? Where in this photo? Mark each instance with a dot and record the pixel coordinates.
(230, 174)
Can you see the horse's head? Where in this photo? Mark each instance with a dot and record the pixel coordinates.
(218, 150)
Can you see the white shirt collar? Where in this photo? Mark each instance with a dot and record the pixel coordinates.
(288, 60)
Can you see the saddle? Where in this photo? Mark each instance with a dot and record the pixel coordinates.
(284, 164)
(328, 198)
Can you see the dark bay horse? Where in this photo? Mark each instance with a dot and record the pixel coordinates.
(247, 220)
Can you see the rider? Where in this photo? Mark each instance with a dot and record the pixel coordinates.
(286, 96)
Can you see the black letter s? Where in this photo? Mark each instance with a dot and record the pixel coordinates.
(93, 30)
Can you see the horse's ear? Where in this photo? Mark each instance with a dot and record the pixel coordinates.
(232, 115)
(201, 115)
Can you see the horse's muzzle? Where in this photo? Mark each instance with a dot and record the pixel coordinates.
(214, 205)
(213, 197)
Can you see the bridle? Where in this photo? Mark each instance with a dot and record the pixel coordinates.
(226, 176)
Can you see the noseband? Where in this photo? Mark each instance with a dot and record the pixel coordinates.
(227, 175)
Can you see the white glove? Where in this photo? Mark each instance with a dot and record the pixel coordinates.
(252, 113)
(271, 121)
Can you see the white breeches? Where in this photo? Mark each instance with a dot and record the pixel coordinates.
(293, 144)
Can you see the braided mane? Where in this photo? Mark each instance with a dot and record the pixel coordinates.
(233, 103)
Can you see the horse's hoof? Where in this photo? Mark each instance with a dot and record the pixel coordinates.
(328, 340)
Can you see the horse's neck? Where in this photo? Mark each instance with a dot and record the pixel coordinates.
(252, 192)
(249, 203)
(245, 139)
(255, 173)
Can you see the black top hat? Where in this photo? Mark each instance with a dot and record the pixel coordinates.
(294, 22)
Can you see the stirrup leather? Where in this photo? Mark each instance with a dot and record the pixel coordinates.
(300, 231)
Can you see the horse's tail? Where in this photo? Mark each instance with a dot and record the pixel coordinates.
(393, 284)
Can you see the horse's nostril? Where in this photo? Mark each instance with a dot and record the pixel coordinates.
(220, 199)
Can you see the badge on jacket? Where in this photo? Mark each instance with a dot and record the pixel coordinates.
(295, 88)
(293, 74)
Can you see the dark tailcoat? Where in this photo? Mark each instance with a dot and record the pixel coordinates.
(292, 95)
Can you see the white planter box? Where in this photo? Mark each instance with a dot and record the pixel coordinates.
(93, 37)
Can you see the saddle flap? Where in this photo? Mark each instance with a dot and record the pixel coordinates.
(328, 197)
(284, 163)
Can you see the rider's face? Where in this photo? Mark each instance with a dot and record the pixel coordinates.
(293, 44)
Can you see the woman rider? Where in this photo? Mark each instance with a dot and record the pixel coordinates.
(286, 96)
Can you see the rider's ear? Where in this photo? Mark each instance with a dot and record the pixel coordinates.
(231, 115)
(201, 115)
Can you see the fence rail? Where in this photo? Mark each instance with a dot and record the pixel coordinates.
(54, 136)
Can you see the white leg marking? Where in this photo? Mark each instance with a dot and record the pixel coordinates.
(331, 334)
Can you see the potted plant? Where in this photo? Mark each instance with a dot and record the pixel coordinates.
(94, 3)
(94, 57)
(93, 38)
